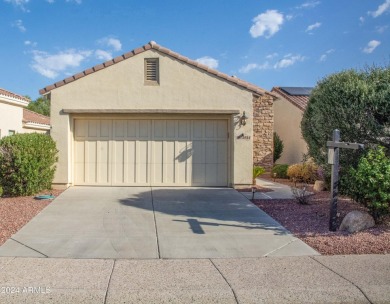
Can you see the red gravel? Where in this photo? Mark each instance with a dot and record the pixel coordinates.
(310, 224)
(15, 212)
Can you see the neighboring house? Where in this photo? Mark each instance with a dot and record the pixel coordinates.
(14, 118)
(288, 111)
(155, 117)
(35, 123)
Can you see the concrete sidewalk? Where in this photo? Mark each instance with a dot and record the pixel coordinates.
(279, 191)
(315, 279)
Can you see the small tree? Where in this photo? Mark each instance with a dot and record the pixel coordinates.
(370, 182)
(278, 147)
(41, 105)
(257, 171)
(356, 103)
(27, 163)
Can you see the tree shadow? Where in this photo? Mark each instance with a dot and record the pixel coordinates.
(206, 207)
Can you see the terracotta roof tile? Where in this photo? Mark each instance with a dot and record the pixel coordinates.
(153, 45)
(299, 101)
(13, 95)
(30, 116)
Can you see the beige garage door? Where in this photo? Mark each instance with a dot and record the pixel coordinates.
(151, 152)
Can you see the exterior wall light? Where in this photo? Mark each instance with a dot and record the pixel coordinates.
(243, 119)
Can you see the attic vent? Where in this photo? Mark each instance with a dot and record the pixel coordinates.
(151, 71)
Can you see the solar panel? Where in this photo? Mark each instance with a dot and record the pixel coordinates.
(294, 91)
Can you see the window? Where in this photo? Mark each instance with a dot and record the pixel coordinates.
(11, 132)
(151, 71)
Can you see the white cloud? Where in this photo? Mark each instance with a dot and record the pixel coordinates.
(381, 29)
(19, 3)
(271, 56)
(19, 25)
(103, 55)
(313, 26)
(324, 56)
(51, 65)
(76, 1)
(112, 43)
(50, 1)
(288, 60)
(361, 19)
(384, 7)
(209, 61)
(266, 24)
(371, 46)
(309, 4)
(254, 66)
(30, 43)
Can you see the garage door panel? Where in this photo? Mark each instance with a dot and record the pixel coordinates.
(102, 156)
(151, 152)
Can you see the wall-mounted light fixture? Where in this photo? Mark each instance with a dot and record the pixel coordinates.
(243, 119)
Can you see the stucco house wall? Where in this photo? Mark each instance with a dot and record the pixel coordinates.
(287, 124)
(185, 91)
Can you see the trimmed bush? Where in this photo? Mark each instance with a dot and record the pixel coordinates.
(27, 163)
(305, 172)
(280, 170)
(257, 171)
(278, 147)
(1, 191)
(370, 182)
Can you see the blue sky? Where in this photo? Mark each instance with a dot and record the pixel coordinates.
(268, 43)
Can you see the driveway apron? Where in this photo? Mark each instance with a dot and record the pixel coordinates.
(150, 223)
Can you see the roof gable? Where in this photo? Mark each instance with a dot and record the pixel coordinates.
(154, 46)
(298, 96)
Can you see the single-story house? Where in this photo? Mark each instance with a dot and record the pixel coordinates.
(288, 111)
(154, 117)
(14, 118)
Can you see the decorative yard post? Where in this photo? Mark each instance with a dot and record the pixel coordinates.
(333, 159)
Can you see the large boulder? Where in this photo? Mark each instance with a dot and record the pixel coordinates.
(356, 221)
(319, 185)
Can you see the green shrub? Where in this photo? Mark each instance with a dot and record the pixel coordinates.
(278, 147)
(257, 171)
(370, 182)
(27, 163)
(280, 170)
(305, 172)
(1, 191)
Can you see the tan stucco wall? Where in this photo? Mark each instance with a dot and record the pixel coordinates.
(10, 118)
(121, 86)
(287, 124)
(31, 130)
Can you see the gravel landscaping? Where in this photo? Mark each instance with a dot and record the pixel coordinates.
(310, 223)
(15, 212)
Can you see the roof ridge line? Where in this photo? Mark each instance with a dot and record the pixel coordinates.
(154, 45)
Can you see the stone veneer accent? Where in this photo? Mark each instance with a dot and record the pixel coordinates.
(263, 128)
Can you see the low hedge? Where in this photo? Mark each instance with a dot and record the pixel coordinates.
(280, 170)
(27, 163)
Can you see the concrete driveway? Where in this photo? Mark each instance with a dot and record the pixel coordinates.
(150, 223)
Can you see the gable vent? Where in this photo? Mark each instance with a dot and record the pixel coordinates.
(151, 71)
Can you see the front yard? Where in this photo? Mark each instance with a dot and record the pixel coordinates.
(15, 212)
(310, 224)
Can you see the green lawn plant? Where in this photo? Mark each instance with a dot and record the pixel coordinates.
(257, 171)
(278, 147)
(370, 182)
(280, 171)
(27, 163)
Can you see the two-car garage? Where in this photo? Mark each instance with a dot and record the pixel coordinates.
(155, 152)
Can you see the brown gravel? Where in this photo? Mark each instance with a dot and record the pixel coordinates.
(310, 224)
(15, 212)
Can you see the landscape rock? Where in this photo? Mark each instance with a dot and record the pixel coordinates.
(356, 221)
(319, 185)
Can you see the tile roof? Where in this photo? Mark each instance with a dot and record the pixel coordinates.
(13, 95)
(299, 101)
(32, 117)
(153, 45)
